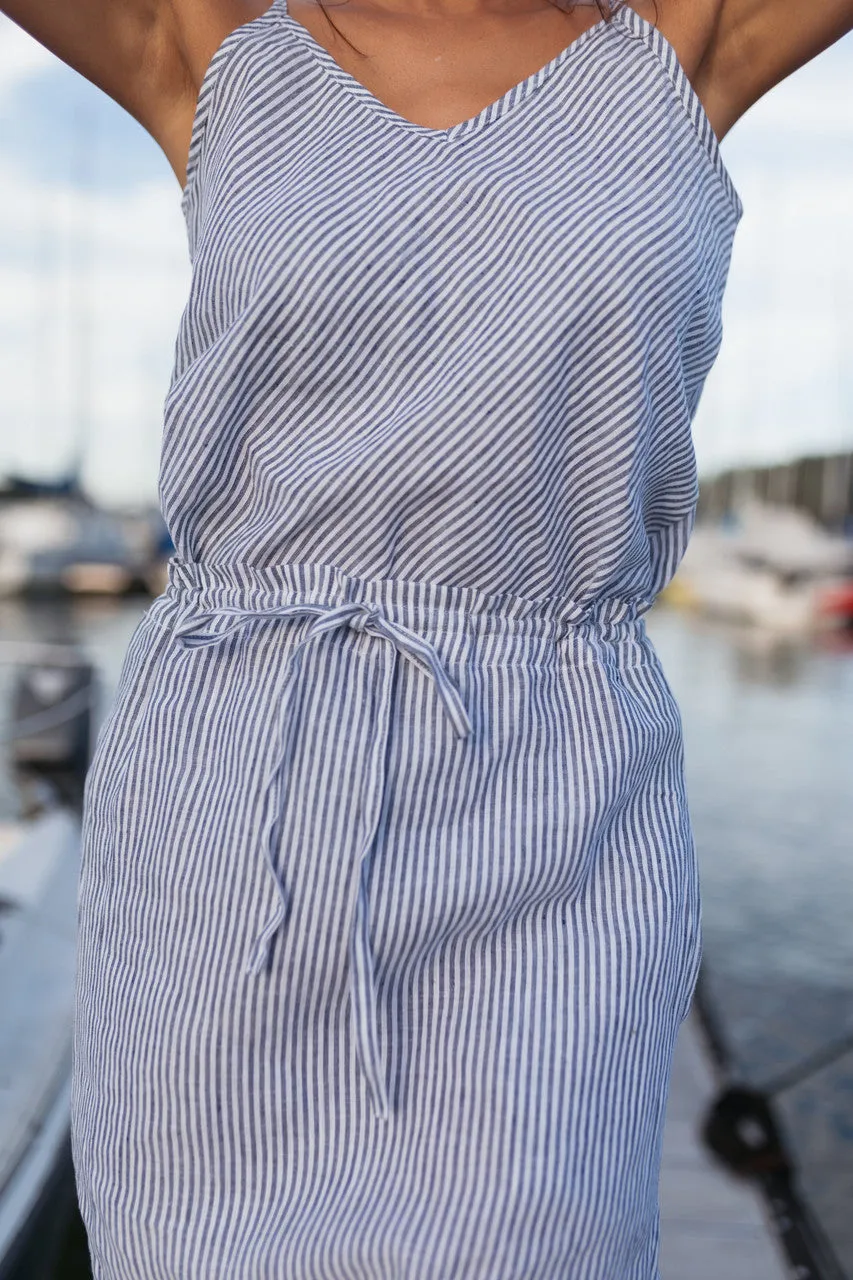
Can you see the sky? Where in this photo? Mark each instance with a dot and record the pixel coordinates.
(94, 273)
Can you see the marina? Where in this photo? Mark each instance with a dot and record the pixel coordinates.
(755, 634)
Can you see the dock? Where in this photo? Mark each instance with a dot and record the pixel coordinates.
(713, 1224)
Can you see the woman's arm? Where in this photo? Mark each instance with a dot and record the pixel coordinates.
(149, 56)
(128, 48)
(757, 43)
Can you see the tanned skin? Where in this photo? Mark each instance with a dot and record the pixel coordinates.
(436, 62)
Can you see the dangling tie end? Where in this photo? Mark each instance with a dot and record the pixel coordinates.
(259, 958)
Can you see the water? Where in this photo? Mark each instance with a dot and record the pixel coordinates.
(769, 753)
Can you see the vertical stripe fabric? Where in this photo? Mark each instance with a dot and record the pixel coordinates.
(388, 907)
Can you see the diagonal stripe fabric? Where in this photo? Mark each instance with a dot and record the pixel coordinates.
(388, 906)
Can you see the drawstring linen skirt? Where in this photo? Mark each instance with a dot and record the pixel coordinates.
(388, 918)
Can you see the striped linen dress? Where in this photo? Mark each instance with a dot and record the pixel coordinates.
(388, 904)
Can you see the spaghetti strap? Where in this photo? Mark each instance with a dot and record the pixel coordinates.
(674, 78)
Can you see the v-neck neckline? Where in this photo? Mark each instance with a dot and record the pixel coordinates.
(513, 97)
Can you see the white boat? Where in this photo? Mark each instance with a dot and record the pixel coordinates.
(63, 542)
(773, 567)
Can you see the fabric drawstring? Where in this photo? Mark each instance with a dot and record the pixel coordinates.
(194, 631)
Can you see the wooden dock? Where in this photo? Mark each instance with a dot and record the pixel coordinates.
(713, 1224)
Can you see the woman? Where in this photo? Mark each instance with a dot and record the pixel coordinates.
(388, 906)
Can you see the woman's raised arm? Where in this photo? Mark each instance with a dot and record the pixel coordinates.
(757, 43)
(149, 56)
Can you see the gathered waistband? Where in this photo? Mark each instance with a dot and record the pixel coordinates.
(432, 609)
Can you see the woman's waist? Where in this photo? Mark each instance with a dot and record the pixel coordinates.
(430, 608)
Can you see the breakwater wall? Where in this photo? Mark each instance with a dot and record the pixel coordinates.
(821, 485)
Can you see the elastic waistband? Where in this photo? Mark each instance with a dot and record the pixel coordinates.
(432, 609)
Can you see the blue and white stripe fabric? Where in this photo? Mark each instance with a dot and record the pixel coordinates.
(389, 910)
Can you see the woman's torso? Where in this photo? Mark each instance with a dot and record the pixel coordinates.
(468, 355)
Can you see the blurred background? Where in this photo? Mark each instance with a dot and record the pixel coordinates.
(756, 631)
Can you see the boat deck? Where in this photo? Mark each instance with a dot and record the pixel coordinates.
(712, 1223)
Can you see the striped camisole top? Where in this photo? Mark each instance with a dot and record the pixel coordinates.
(468, 355)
